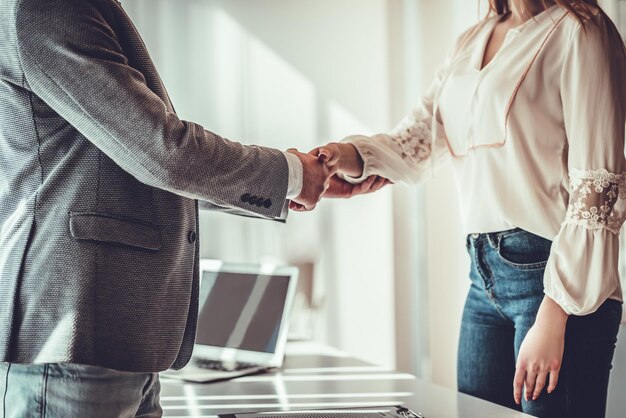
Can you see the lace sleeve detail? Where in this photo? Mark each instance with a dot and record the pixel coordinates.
(597, 199)
(414, 139)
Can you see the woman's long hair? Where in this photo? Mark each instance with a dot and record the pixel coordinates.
(580, 9)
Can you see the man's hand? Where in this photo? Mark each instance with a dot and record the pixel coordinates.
(344, 157)
(315, 181)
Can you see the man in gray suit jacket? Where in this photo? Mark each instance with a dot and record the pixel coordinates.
(99, 182)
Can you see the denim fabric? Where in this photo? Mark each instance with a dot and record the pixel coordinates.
(503, 300)
(71, 390)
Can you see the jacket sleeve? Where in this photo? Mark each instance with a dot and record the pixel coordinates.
(72, 59)
(582, 270)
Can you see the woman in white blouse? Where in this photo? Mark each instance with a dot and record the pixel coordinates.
(529, 109)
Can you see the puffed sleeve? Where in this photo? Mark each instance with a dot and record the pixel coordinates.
(582, 270)
(417, 145)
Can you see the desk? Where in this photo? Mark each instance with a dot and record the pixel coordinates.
(317, 376)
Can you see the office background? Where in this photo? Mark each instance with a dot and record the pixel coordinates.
(385, 276)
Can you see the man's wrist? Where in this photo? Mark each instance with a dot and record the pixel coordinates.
(296, 174)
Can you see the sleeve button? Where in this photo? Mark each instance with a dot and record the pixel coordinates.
(245, 198)
(268, 203)
(253, 200)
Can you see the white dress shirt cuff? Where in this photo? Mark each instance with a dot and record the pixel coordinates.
(295, 175)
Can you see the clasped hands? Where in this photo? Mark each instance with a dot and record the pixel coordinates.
(322, 168)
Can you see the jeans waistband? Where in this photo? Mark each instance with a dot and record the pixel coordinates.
(493, 236)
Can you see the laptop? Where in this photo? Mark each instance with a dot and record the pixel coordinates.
(243, 321)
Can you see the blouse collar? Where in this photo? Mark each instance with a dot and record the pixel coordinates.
(549, 16)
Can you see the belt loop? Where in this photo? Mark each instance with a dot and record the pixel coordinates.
(494, 240)
(471, 240)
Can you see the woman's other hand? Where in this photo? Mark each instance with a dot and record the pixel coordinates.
(342, 156)
(541, 353)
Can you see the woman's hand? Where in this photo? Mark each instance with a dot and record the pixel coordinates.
(540, 356)
(339, 188)
(344, 157)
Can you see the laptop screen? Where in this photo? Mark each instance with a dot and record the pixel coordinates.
(241, 310)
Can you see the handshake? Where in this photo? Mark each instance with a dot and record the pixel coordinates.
(321, 167)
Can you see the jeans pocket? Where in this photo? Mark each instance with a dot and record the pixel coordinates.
(523, 250)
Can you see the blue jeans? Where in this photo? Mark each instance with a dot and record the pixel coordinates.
(72, 390)
(503, 300)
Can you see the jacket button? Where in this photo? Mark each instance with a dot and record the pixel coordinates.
(191, 237)
(253, 200)
(268, 203)
(245, 198)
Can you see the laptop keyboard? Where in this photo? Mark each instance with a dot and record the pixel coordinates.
(223, 367)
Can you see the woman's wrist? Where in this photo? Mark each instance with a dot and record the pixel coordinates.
(551, 315)
(350, 161)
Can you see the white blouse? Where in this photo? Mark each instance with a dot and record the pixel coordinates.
(536, 141)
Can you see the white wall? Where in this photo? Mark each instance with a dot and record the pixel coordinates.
(292, 74)
(448, 264)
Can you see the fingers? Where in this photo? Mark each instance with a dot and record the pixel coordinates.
(379, 183)
(327, 154)
(371, 184)
(338, 188)
(518, 383)
(324, 155)
(321, 153)
(529, 384)
(364, 187)
(532, 383)
(554, 378)
(297, 206)
(540, 383)
(331, 170)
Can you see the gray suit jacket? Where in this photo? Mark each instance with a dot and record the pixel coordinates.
(98, 186)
